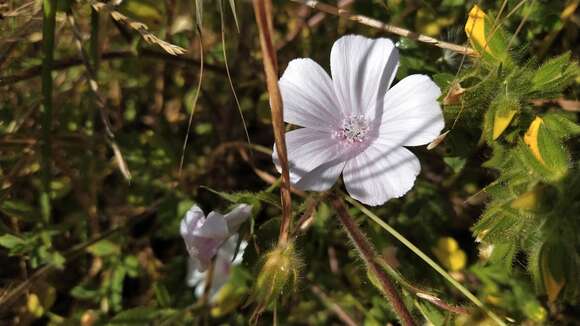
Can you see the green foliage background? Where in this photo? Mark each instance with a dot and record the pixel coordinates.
(108, 250)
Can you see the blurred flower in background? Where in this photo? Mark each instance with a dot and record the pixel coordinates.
(204, 236)
(227, 257)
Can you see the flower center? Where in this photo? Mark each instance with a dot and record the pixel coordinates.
(354, 129)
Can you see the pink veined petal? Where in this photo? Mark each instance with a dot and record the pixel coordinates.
(307, 150)
(237, 216)
(362, 71)
(411, 114)
(308, 96)
(380, 173)
(322, 178)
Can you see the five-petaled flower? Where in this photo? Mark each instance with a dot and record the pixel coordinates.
(354, 123)
(204, 236)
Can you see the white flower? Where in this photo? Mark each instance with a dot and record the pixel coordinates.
(224, 262)
(203, 236)
(354, 124)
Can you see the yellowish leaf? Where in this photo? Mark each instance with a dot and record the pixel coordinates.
(527, 200)
(475, 28)
(531, 138)
(553, 287)
(501, 121)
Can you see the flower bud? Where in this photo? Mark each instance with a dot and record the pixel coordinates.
(279, 273)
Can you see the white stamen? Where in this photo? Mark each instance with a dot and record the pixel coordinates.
(354, 128)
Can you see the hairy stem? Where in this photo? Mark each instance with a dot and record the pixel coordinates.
(263, 12)
(368, 254)
(48, 24)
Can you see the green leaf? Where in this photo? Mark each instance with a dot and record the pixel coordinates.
(561, 126)
(10, 241)
(455, 163)
(248, 197)
(19, 209)
(84, 293)
(162, 295)
(554, 76)
(104, 248)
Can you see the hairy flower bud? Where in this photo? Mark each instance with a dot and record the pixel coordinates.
(279, 273)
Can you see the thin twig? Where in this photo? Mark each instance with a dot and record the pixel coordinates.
(263, 13)
(332, 305)
(364, 20)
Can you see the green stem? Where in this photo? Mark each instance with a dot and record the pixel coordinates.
(48, 24)
(426, 259)
(92, 180)
(95, 51)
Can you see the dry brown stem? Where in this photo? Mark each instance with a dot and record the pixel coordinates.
(263, 13)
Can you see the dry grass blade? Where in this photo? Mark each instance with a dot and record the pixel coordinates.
(263, 12)
(139, 27)
(27, 9)
(364, 20)
(100, 100)
(196, 97)
(224, 51)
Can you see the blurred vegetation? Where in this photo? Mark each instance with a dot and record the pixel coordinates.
(89, 227)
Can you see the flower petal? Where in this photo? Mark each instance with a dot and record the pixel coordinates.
(322, 178)
(380, 173)
(411, 114)
(215, 227)
(193, 217)
(307, 150)
(362, 71)
(308, 96)
(237, 216)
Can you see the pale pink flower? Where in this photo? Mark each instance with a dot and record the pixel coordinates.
(204, 236)
(354, 123)
(228, 256)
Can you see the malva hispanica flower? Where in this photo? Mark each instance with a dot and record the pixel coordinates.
(228, 256)
(204, 236)
(355, 123)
